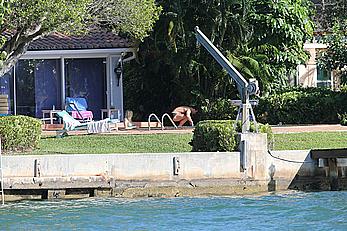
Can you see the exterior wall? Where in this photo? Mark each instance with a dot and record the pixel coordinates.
(336, 80)
(307, 74)
(116, 90)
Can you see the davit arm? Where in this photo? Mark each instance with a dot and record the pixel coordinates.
(244, 87)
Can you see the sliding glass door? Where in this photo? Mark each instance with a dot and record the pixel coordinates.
(87, 78)
(38, 86)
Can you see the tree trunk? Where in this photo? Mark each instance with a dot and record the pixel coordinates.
(17, 46)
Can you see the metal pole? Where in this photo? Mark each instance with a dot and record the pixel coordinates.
(121, 84)
(245, 112)
(62, 82)
(108, 82)
(245, 118)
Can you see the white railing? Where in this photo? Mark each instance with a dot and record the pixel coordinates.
(162, 121)
(149, 120)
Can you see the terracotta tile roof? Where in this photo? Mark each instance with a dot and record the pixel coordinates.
(92, 40)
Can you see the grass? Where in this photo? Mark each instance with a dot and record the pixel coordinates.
(310, 140)
(164, 143)
(96, 144)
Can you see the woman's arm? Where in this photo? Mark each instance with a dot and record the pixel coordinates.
(188, 114)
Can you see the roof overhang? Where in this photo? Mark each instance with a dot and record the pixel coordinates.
(79, 53)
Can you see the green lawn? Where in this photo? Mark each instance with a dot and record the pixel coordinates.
(174, 143)
(115, 144)
(310, 140)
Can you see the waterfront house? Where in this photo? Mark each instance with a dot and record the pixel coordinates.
(60, 66)
(310, 74)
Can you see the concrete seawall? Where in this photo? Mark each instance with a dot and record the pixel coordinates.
(254, 169)
(147, 174)
(146, 166)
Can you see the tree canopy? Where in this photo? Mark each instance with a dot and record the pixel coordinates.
(263, 39)
(335, 56)
(328, 12)
(22, 21)
(333, 23)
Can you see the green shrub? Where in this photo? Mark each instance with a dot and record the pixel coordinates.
(302, 106)
(220, 135)
(19, 133)
(213, 135)
(343, 119)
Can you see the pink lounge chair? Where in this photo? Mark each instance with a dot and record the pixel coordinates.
(77, 107)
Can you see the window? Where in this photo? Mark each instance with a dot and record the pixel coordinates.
(6, 88)
(25, 87)
(323, 77)
(38, 86)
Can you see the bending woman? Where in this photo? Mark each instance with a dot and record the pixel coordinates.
(182, 114)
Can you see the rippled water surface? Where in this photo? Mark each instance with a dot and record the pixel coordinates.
(287, 211)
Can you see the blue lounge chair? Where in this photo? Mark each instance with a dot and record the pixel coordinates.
(77, 107)
(71, 124)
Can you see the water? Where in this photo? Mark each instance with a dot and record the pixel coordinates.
(288, 211)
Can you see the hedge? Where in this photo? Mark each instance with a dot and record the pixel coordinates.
(220, 135)
(19, 133)
(302, 106)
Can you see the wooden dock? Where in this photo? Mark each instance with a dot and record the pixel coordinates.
(329, 153)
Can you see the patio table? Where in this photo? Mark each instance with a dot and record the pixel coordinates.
(110, 113)
(51, 115)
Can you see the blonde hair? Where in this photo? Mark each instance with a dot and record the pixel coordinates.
(129, 114)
